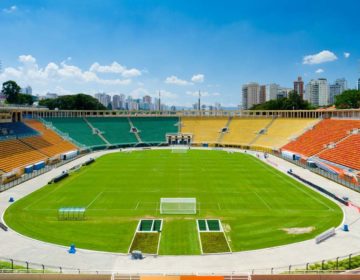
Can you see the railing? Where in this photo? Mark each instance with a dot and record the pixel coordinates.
(334, 265)
(25, 177)
(323, 173)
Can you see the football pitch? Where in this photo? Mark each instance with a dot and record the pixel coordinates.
(257, 206)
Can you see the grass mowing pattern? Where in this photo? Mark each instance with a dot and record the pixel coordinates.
(213, 242)
(145, 242)
(254, 202)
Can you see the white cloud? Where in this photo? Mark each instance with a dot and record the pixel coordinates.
(321, 57)
(346, 54)
(10, 10)
(176, 81)
(319, 71)
(168, 95)
(115, 68)
(198, 78)
(55, 75)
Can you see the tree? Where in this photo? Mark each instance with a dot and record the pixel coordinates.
(11, 90)
(293, 102)
(349, 99)
(78, 101)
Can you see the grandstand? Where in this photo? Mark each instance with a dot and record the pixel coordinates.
(282, 131)
(204, 130)
(9, 130)
(77, 129)
(346, 152)
(15, 154)
(243, 131)
(154, 129)
(328, 131)
(307, 135)
(114, 130)
(48, 143)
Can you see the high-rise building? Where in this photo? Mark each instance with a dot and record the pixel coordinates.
(299, 86)
(283, 92)
(262, 97)
(116, 102)
(26, 90)
(336, 89)
(250, 95)
(103, 98)
(317, 92)
(147, 99)
(272, 91)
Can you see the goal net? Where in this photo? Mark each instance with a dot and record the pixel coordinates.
(180, 149)
(178, 206)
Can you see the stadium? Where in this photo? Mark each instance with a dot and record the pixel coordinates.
(230, 193)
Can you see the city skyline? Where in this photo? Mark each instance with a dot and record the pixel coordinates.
(140, 47)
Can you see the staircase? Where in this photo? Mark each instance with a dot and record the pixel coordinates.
(221, 136)
(335, 144)
(265, 129)
(98, 134)
(136, 133)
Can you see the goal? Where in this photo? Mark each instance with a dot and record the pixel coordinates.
(179, 149)
(178, 206)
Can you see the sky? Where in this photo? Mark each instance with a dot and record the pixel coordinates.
(178, 47)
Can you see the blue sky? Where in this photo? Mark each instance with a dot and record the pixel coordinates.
(178, 47)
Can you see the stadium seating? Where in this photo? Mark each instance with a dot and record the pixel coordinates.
(243, 131)
(346, 152)
(15, 154)
(77, 129)
(154, 129)
(11, 130)
(325, 132)
(48, 143)
(115, 130)
(204, 130)
(281, 131)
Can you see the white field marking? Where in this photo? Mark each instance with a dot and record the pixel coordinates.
(41, 198)
(137, 205)
(263, 201)
(132, 240)
(94, 199)
(69, 179)
(199, 237)
(219, 205)
(289, 181)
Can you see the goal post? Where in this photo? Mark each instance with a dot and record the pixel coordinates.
(178, 205)
(179, 149)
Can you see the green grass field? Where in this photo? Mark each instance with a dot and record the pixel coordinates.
(254, 202)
